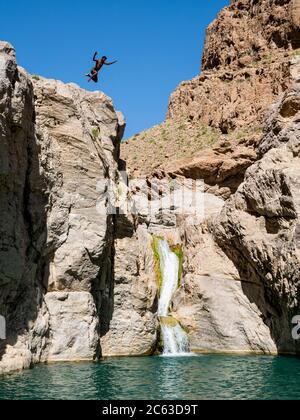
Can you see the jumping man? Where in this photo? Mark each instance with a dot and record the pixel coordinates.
(93, 75)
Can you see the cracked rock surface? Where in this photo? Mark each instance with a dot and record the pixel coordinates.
(59, 149)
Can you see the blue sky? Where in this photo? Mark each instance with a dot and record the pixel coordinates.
(158, 44)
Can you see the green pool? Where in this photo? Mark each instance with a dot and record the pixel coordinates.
(159, 378)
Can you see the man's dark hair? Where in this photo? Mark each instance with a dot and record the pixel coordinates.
(104, 58)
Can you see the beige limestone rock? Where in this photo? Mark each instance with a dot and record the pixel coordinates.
(73, 327)
(252, 28)
(249, 59)
(222, 168)
(240, 287)
(257, 227)
(69, 275)
(296, 13)
(22, 212)
(134, 325)
(59, 149)
(212, 304)
(79, 133)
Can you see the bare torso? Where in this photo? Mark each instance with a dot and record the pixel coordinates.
(99, 65)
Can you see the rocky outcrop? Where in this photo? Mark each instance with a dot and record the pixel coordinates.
(134, 329)
(240, 288)
(246, 63)
(73, 323)
(79, 142)
(134, 326)
(22, 210)
(242, 266)
(59, 149)
(249, 59)
(222, 168)
(77, 282)
(249, 29)
(231, 99)
(258, 226)
(212, 305)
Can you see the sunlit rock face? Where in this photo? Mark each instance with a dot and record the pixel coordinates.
(296, 13)
(247, 62)
(76, 283)
(58, 144)
(235, 127)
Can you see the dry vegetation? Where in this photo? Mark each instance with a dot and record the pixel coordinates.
(173, 140)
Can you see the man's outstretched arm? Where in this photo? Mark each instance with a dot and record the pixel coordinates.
(109, 64)
(95, 55)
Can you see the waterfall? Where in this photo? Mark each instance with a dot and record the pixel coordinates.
(175, 340)
(169, 266)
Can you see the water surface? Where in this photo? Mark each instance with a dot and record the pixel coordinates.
(160, 378)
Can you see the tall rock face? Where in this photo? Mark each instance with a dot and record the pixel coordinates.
(236, 128)
(249, 59)
(23, 214)
(133, 329)
(59, 150)
(250, 48)
(78, 137)
(76, 282)
(259, 226)
(250, 29)
(242, 266)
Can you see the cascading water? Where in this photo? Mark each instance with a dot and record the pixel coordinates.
(174, 338)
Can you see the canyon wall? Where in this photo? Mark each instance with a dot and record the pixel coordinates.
(77, 283)
(249, 59)
(235, 127)
(59, 149)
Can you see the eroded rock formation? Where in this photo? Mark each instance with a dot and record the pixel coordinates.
(258, 226)
(23, 215)
(242, 266)
(240, 285)
(76, 283)
(249, 59)
(59, 149)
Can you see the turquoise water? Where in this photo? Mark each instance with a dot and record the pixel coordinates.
(196, 378)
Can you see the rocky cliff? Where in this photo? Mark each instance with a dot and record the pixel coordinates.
(59, 148)
(77, 283)
(234, 127)
(250, 57)
(242, 267)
